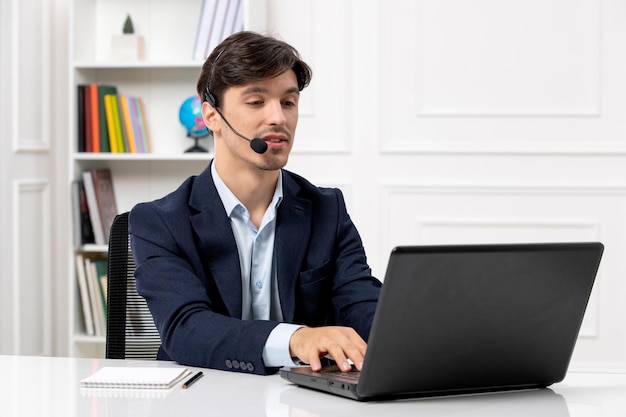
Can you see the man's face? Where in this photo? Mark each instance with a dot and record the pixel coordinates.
(265, 109)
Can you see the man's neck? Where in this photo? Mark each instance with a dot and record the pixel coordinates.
(253, 187)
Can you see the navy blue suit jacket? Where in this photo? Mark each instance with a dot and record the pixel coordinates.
(188, 271)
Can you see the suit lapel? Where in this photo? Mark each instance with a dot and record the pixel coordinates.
(293, 229)
(217, 242)
(219, 249)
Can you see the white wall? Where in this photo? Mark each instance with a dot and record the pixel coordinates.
(443, 121)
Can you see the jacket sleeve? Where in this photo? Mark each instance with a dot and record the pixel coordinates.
(355, 291)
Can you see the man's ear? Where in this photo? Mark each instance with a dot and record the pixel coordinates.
(210, 117)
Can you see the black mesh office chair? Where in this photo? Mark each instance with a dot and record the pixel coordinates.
(131, 333)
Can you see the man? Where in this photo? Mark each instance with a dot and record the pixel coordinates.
(249, 267)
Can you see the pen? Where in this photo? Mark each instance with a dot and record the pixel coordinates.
(193, 379)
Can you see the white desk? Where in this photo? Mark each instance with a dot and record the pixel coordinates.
(41, 386)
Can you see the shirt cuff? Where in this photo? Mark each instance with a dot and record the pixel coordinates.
(276, 349)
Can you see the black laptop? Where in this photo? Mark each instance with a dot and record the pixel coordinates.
(461, 319)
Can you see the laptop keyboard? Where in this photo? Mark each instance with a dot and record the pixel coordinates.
(352, 376)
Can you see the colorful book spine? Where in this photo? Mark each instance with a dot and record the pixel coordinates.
(128, 123)
(119, 134)
(110, 122)
(143, 125)
(110, 118)
(94, 116)
(104, 90)
(134, 117)
(125, 144)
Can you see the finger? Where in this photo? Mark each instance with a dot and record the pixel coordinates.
(315, 363)
(338, 354)
(356, 356)
(355, 349)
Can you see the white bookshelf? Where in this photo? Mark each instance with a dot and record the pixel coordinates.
(163, 79)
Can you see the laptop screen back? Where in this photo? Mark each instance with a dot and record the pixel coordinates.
(471, 318)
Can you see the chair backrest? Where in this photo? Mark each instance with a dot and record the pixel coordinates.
(131, 333)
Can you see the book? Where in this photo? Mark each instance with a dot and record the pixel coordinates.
(119, 136)
(85, 300)
(233, 21)
(97, 297)
(80, 118)
(135, 377)
(110, 118)
(97, 311)
(124, 141)
(101, 276)
(75, 198)
(217, 27)
(143, 125)
(105, 199)
(134, 118)
(94, 117)
(94, 212)
(110, 122)
(204, 28)
(88, 142)
(104, 90)
(128, 124)
(83, 232)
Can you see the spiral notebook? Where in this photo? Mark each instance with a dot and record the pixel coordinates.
(135, 378)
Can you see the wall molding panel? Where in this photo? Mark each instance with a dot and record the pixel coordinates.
(465, 212)
(30, 88)
(32, 278)
(530, 77)
(325, 106)
(495, 58)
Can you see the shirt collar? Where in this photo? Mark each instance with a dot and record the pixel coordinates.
(231, 202)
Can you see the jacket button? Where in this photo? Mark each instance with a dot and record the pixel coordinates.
(229, 364)
(243, 365)
(235, 365)
(250, 367)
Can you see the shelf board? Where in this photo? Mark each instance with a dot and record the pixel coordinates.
(84, 338)
(91, 247)
(137, 65)
(106, 156)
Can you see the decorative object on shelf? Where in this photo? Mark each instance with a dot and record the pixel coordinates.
(128, 46)
(190, 115)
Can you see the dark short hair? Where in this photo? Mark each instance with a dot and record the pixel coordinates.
(246, 57)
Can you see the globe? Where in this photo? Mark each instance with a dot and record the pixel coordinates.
(190, 115)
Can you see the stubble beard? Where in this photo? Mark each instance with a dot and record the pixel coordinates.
(271, 160)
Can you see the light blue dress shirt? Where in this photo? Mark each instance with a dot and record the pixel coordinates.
(260, 297)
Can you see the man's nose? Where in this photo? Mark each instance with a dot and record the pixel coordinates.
(275, 113)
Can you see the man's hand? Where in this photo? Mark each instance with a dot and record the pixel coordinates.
(309, 344)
